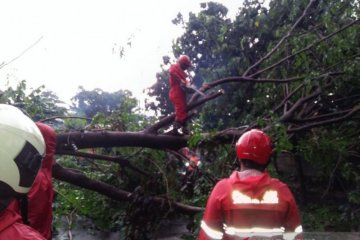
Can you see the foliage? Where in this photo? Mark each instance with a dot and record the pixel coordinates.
(37, 103)
(75, 124)
(79, 203)
(88, 103)
(117, 111)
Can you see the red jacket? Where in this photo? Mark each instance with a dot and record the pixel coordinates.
(176, 93)
(41, 194)
(12, 229)
(239, 208)
(177, 74)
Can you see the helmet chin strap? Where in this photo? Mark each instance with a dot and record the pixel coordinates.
(24, 208)
(7, 194)
(4, 202)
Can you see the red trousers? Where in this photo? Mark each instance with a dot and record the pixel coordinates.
(178, 98)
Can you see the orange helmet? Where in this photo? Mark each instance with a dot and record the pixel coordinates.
(184, 61)
(254, 145)
(194, 160)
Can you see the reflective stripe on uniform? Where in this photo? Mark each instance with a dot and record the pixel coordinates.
(255, 231)
(269, 197)
(261, 232)
(212, 233)
(292, 235)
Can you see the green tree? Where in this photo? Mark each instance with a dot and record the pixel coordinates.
(89, 103)
(39, 104)
(116, 111)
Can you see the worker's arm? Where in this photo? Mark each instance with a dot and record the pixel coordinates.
(212, 222)
(293, 228)
(179, 75)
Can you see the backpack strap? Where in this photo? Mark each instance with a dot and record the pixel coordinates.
(24, 207)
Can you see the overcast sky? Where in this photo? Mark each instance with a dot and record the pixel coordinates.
(67, 43)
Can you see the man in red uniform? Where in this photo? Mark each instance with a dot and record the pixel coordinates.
(41, 194)
(21, 151)
(177, 95)
(250, 204)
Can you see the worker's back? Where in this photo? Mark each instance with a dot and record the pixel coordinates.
(245, 206)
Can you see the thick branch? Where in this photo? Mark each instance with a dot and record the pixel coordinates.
(81, 140)
(231, 135)
(82, 181)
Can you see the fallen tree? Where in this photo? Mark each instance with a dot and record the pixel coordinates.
(303, 107)
(289, 69)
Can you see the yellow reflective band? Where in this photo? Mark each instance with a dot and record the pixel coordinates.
(269, 197)
(212, 233)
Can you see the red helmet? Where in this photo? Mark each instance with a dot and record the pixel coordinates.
(185, 151)
(184, 61)
(254, 145)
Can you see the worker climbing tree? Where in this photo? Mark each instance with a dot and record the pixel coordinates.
(178, 79)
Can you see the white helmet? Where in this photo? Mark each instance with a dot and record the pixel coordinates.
(21, 151)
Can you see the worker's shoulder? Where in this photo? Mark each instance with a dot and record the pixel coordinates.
(174, 67)
(279, 184)
(223, 183)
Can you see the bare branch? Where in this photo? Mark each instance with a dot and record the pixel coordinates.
(288, 97)
(304, 49)
(289, 114)
(255, 80)
(325, 122)
(238, 79)
(122, 161)
(343, 61)
(21, 54)
(78, 179)
(339, 100)
(281, 40)
(320, 117)
(64, 117)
